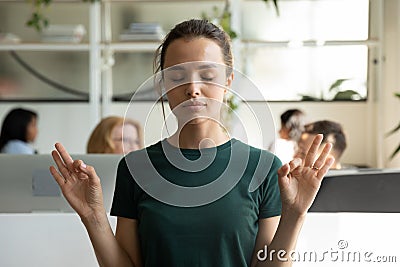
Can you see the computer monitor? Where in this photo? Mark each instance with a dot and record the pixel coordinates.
(26, 184)
(362, 190)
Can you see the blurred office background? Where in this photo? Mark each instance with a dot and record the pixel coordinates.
(334, 59)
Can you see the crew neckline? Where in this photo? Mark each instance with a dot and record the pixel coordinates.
(195, 151)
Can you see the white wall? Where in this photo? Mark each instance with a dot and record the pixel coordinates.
(390, 105)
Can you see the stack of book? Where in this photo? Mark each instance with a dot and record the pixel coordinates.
(9, 38)
(63, 33)
(143, 32)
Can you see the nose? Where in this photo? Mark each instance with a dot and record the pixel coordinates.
(193, 89)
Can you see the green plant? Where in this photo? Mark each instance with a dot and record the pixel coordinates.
(337, 89)
(232, 104)
(275, 4)
(222, 19)
(397, 128)
(343, 94)
(38, 20)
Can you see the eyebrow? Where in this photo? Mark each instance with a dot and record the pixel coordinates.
(175, 68)
(207, 66)
(201, 67)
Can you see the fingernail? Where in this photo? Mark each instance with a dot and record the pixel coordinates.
(83, 165)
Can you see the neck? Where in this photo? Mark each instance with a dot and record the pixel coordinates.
(196, 136)
(336, 166)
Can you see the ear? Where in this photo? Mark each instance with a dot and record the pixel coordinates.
(229, 81)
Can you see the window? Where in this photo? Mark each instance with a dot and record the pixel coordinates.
(314, 50)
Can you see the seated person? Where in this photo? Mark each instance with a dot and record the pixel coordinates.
(292, 125)
(333, 133)
(18, 130)
(113, 135)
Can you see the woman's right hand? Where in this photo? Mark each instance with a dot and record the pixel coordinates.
(79, 183)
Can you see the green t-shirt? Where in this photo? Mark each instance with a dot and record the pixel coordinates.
(194, 230)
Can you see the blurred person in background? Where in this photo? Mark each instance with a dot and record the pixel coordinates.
(292, 126)
(19, 130)
(332, 133)
(113, 135)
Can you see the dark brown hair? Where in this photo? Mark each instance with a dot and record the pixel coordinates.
(293, 120)
(195, 28)
(332, 131)
(15, 125)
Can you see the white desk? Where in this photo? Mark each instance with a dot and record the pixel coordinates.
(60, 239)
(45, 240)
(378, 233)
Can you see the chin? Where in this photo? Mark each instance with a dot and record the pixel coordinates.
(196, 121)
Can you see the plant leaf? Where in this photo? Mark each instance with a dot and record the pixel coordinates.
(275, 4)
(309, 98)
(393, 131)
(337, 83)
(276, 7)
(395, 152)
(397, 94)
(346, 95)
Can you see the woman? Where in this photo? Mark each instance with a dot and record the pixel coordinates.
(292, 126)
(164, 229)
(19, 129)
(113, 135)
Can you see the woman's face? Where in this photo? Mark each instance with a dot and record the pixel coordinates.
(31, 130)
(125, 138)
(195, 79)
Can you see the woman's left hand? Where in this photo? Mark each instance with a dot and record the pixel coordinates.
(300, 181)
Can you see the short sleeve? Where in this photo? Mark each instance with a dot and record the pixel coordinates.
(124, 204)
(271, 204)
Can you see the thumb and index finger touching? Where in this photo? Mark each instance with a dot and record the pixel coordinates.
(66, 166)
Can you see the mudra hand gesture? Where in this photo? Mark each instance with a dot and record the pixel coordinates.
(79, 183)
(299, 181)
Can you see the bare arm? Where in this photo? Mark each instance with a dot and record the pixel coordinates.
(299, 183)
(81, 187)
(128, 238)
(266, 231)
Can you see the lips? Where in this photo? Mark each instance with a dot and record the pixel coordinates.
(194, 104)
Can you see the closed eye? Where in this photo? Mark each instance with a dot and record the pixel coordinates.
(207, 79)
(175, 75)
(177, 79)
(208, 74)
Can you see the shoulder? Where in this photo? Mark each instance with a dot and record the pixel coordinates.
(256, 152)
(262, 164)
(17, 147)
(139, 158)
(144, 152)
